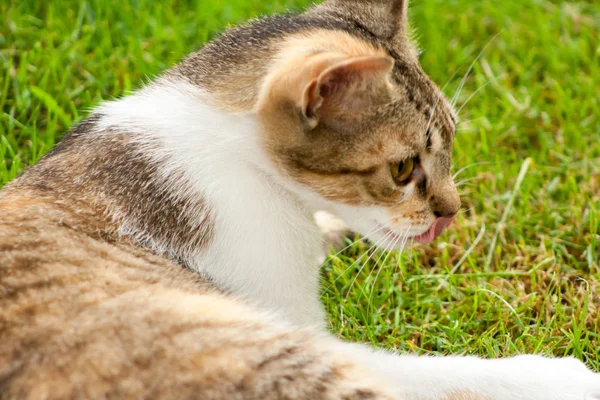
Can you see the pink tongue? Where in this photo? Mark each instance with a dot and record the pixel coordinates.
(435, 229)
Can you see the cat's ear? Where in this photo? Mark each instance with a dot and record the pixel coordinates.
(400, 13)
(346, 87)
(387, 19)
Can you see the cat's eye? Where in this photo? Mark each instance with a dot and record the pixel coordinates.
(402, 171)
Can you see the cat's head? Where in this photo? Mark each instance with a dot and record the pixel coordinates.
(352, 120)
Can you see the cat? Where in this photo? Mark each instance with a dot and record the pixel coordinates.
(166, 248)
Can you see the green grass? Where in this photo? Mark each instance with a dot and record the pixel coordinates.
(519, 271)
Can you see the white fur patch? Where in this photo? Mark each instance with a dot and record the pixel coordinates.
(266, 246)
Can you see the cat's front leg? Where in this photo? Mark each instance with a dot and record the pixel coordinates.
(525, 377)
(333, 229)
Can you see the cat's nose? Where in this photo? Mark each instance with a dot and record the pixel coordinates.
(445, 213)
(446, 207)
(447, 203)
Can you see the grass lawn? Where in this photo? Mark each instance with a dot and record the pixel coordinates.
(518, 272)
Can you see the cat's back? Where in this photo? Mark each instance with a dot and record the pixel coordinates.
(70, 294)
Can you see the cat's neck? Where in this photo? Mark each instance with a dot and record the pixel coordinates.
(259, 240)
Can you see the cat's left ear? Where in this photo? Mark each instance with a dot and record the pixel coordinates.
(400, 11)
(387, 19)
(346, 87)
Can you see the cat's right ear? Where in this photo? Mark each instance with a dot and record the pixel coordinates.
(345, 87)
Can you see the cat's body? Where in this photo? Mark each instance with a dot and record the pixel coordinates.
(166, 248)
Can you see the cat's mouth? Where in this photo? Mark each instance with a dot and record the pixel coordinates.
(435, 229)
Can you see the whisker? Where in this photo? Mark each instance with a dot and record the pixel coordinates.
(427, 132)
(389, 234)
(463, 169)
(348, 268)
(466, 180)
(354, 263)
(378, 267)
(472, 95)
(400, 255)
(404, 237)
(345, 270)
(464, 79)
(468, 121)
(398, 237)
(466, 210)
(438, 99)
(360, 239)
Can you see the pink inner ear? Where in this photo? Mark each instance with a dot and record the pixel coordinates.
(346, 86)
(327, 87)
(312, 99)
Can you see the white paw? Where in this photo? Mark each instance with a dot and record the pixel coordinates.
(334, 230)
(552, 378)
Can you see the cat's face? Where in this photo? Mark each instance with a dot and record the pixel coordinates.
(361, 128)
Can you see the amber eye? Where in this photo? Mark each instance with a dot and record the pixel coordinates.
(402, 171)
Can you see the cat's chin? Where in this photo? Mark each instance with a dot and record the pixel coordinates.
(387, 238)
(392, 239)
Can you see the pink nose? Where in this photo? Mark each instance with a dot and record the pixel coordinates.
(435, 230)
